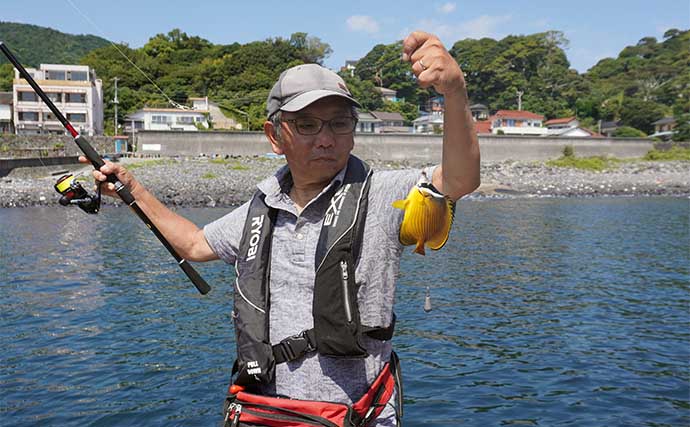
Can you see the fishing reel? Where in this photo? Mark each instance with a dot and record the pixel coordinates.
(74, 194)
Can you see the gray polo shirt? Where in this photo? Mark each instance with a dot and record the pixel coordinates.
(295, 237)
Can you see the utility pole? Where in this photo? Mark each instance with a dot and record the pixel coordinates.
(115, 102)
(519, 95)
(377, 77)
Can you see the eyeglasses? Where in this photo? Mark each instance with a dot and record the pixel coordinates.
(313, 125)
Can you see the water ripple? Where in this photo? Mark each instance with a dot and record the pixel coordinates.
(562, 312)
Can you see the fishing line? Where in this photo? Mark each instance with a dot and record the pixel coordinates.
(384, 64)
(158, 88)
(99, 30)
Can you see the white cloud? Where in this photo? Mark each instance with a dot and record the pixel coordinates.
(446, 8)
(483, 26)
(362, 23)
(444, 32)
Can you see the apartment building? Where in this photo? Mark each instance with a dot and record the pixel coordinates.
(74, 89)
(517, 122)
(6, 112)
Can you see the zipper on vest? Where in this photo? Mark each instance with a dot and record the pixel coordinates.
(346, 295)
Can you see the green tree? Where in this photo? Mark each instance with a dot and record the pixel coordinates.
(310, 49)
(474, 56)
(640, 114)
(682, 130)
(535, 65)
(6, 77)
(650, 72)
(382, 66)
(34, 45)
(364, 91)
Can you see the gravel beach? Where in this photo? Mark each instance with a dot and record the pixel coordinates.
(229, 182)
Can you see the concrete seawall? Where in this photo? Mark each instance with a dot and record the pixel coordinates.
(393, 147)
(38, 150)
(27, 151)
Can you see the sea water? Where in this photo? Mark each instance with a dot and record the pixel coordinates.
(546, 312)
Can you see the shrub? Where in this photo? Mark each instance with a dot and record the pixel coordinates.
(568, 151)
(596, 163)
(674, 153)
(629, 132)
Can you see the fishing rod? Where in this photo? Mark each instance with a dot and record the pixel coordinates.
(97, 161)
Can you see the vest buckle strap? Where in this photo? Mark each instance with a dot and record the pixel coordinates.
(294, 347)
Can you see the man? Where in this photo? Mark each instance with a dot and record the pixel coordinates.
(287, 242)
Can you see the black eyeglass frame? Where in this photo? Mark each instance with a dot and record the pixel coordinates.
(321, 123)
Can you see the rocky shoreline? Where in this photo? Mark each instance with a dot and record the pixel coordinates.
(229, 182)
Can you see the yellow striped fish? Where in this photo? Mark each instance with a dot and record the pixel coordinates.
(428, 217)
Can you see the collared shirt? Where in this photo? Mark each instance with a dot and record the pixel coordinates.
(293, 253)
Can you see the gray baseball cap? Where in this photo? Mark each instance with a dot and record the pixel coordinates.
(304, 84)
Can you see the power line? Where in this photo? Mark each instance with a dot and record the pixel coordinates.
(98, 29)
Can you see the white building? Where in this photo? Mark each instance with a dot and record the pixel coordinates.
(388, 94)
(517, 122)
(166, 119)
(75, 91)
(429, 123)
(349, 67)
(367, 123)
(5, 112)
(388, 122)
(568, 126)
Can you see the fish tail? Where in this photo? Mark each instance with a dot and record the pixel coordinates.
(400, 204)
(420, 248)
(451, 205)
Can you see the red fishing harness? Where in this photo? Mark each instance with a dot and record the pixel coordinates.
(247, 409)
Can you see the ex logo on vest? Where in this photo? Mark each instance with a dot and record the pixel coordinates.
(257, 224)
(333, 211)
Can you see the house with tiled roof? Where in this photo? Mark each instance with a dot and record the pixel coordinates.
(482, 127)
(562, 123)
(576, 131)
(609, 128)
(174, 119)
(367, 123)
(479, 111)
(390, 122)
(663, 128)
(428, 123)
(517, 122)
(388, 94)
(568, 126)
(435, 105)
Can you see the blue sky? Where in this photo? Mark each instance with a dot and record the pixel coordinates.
(596, 29)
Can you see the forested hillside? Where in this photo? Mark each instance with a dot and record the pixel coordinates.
(645, 82)
(34, 45)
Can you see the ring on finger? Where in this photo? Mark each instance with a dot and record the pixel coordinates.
(421, 64)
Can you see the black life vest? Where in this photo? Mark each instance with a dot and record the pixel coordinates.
(337, 330)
